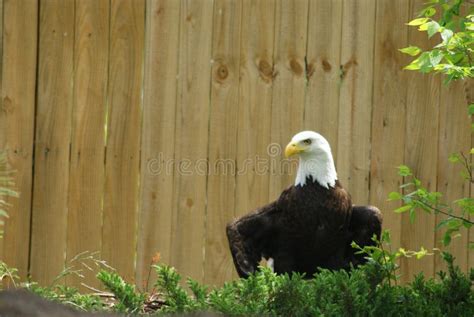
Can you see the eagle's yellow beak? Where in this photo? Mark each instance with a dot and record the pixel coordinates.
(293, 148)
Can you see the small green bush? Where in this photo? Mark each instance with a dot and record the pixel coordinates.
(369, 290)
(69, 296)
(128, 300)
(328, 293)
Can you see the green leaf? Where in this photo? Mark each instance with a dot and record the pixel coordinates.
(442, 223)
(402, 209)
(433, 28)
(471, 151)
(412, 215)
(418, 21)
(411, 50)
(402, 251)
(404, 170)
(425, 62)
(429, 12)
(435, 57)
(470, 109)
(385, 237)
(446, 239)
(423, 27)
(446, 35)
(454, 158)
(421, 253)
(414, 65)
(394, 196)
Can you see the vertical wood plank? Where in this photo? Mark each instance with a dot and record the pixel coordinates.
(389, 109)
(218, 266)
(420, 154)
(355, 101)
(289, 86)
(86, 176)
(17, 109)
(469, 94)
(1, 43)
(192, 135)
(454, 137)
(53, 129)
(323, 71)
(159, 107)
(123, 135)
(255, 101)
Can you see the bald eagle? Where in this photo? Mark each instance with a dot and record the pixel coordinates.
(311, 225)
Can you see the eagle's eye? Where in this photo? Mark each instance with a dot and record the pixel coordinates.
(307, 142)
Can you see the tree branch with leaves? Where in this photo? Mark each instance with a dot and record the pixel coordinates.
(453, 57)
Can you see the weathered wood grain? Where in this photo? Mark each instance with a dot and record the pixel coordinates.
(87, 171)
(355, 101)
(17, 122)
(158, 136)
(191, 139)
(289, 87)
(52, 139)
(323, 73)
(123, 135)
(224, 113)
(421, 150)
(389, 110)
(454, 137)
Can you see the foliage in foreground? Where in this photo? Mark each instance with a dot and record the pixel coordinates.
(366, 291)
(362, 292)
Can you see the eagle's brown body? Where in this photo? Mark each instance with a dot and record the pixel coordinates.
(305, 228)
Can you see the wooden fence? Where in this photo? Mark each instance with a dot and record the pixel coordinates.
(115, 113)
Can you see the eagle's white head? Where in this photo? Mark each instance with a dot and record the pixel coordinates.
(315, 159)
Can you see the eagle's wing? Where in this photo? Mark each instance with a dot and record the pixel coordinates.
(365, 222)
(248, 236)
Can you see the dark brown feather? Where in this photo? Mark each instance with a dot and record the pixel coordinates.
(305, 228)
(366, 221)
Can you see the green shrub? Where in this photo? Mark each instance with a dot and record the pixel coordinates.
(128, 300)
(358, 292)
(369, 290)
(69, 296)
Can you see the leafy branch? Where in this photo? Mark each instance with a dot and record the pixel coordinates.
(420, 198)
(385, 259)
(453, 55)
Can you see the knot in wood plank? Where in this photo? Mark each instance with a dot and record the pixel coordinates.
(266, 70)
(296, 67)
